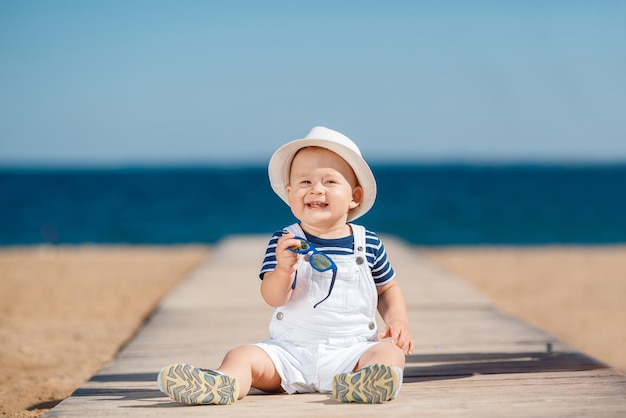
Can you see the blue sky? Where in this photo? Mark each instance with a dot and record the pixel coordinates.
(202, 82)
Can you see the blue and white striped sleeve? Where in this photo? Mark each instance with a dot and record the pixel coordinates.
(269, 262)
(382, 272)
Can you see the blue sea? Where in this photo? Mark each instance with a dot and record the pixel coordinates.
(433, 205)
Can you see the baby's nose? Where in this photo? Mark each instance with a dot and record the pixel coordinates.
(318, 187)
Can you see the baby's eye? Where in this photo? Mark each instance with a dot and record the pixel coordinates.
(305, 182)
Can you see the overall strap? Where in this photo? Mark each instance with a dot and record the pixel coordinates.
(295, 229)
(358, 231)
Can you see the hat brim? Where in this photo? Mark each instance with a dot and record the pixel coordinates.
(280, 165)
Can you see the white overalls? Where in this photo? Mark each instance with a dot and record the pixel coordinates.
(311, 345)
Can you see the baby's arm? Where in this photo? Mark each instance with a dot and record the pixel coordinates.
(392, 308)
(276, 284)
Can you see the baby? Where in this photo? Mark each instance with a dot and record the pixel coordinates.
(326, 277)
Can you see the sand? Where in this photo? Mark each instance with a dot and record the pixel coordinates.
(66, 311)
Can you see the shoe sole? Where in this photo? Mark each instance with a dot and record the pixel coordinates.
(192, 386)
(373, 384)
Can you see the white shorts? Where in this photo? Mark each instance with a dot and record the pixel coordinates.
(310, 367)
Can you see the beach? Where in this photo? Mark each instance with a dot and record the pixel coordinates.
(66, 311)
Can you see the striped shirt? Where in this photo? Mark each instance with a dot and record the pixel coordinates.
(381, 269)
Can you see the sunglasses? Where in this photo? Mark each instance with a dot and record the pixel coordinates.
(319, 261)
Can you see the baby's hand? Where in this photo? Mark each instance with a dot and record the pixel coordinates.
(399, 334)
(286, 260)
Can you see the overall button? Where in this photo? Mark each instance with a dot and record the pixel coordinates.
(359, 260)
(372, 325)
(359, 248)
(280, 316)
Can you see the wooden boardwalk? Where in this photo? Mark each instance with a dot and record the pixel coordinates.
(470, 359)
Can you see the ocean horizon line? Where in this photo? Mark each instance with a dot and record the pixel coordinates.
(256, 164)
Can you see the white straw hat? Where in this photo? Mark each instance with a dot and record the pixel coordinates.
(280, 164)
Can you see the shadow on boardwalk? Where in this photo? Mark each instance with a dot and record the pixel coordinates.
(426, 367)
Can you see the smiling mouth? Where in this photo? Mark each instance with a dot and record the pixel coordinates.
(316, 205)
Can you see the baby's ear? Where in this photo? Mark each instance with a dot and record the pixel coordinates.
(357, 197)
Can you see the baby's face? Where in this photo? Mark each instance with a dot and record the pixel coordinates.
(322, 187)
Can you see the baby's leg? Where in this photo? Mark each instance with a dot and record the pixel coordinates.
(382, 353)
(252, 367)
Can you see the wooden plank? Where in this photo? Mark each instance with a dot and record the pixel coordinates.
(470, 359)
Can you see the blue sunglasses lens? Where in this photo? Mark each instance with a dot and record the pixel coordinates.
(320, 261)
(303, 247)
